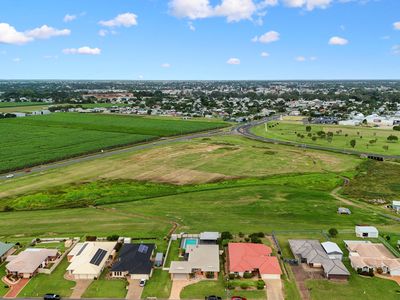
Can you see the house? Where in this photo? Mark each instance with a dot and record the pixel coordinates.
(6, 249)
(343, 211)
(312, 253)
(366, 256)
(200, 260)
(396, 206)
(27, 263)
(134, 261)
(158, 261)
(253, 258)
(89, 259)
(332, 250)
(366, 232)
(209, 237)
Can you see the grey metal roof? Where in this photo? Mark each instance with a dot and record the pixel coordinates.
(5, 247)
(209, 236)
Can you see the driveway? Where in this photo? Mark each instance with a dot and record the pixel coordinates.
(80, 288)
(274, 289)
(134, 290)
(16, 288)
(177, 287)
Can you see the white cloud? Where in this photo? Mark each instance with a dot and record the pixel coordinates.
(140, 76)
(313, 58)
(308, 4)
(396, 25)
(50, 57)
(193, 9)
(125, 20)
(338, 41)
(9, 35)
(268, 37)
(236, 10)
(165, 65)
(83, 50)
(264, 54)
(17, 60)
(233, 61)
(396, 49)
(103, 32)
(191, 26)
(69, 18)
(46, 32)
(300, 58)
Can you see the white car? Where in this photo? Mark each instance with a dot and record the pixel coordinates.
(142, 282)
(10, 176)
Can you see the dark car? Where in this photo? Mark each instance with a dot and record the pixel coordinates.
(238, 298)
(51, 297)
(212, 298)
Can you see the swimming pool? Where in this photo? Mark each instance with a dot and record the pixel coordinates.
(190, 241)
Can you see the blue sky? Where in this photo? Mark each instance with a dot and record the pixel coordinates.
(200, 39)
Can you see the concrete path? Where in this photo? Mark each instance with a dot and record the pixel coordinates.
(134, 290)
(16, 288)
(80, 288)
(274, 289)
(177, 287)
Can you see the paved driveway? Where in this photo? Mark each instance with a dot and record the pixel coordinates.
(80, 288)
(134, 290)
(274, 289)
(177, 287)
(16, 288)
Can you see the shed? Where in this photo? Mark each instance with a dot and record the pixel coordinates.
(343, 211)
(366, 231)
(158, 261)
(333, 250)
(396, 206)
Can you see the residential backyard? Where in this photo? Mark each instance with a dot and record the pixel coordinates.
(158, 286)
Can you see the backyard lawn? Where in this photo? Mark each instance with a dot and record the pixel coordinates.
(158, 286)
(3, 287)
(54, 283)
(104, 288)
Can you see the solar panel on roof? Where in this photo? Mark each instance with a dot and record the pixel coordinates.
(98, 257)
(81, 250)
(143, 249)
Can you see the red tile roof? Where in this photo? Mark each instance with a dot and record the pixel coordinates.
(247, 257)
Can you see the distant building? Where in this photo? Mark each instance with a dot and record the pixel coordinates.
(396, 206)
(366, 232)
(333, 250)
(159, 259)
(343, 211)
(6, 249)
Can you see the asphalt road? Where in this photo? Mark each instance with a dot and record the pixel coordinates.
(89, 157)
(245, 130)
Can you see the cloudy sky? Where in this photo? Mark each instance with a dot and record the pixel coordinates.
(200, 39)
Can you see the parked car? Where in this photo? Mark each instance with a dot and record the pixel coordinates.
(142, 282)
(51, 297)
(10, 176)
(212, 298)
(238, 298)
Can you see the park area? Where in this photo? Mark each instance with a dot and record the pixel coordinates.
(362, 139)
(41, 139)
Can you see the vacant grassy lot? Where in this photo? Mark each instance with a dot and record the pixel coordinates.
(54, 283)
(8, 107)
(104, 288)
(193, 162)
(39, 139)
(342, 135)
(375, 180)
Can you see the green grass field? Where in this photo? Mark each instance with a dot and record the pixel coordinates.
(53, 283)
(39, 139)
(9, 107)
(342, 135)
(3, 288)
(158, 286)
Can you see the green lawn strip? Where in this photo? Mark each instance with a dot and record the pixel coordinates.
(289, 285)
(158, 286)
(3, 287)
(173, 254)
(21, 104)
(106, 288)
(53, 283)
(204, 288)
(356, 288)
(342, 135)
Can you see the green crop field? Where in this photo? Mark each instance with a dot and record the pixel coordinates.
(34, 140)
(369, 140)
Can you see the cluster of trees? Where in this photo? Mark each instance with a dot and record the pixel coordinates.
(7, 116)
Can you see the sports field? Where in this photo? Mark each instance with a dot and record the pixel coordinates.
(34, 140)
(368, 140)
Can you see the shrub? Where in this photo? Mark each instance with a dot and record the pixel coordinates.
(260, 284)
(246, 239)
(244, 286)
(210, 275)
(241, 234)
(379, 270)
(231, 276)
(113, 237)
(255, 240)
(247, 275)
(91, 238)
(396, 128)
(226, 235)
(333, 232)
(392, 138)
(8, 208)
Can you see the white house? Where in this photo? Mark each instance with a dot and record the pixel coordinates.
(366, 232)
(333, 250)
(396, 206)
